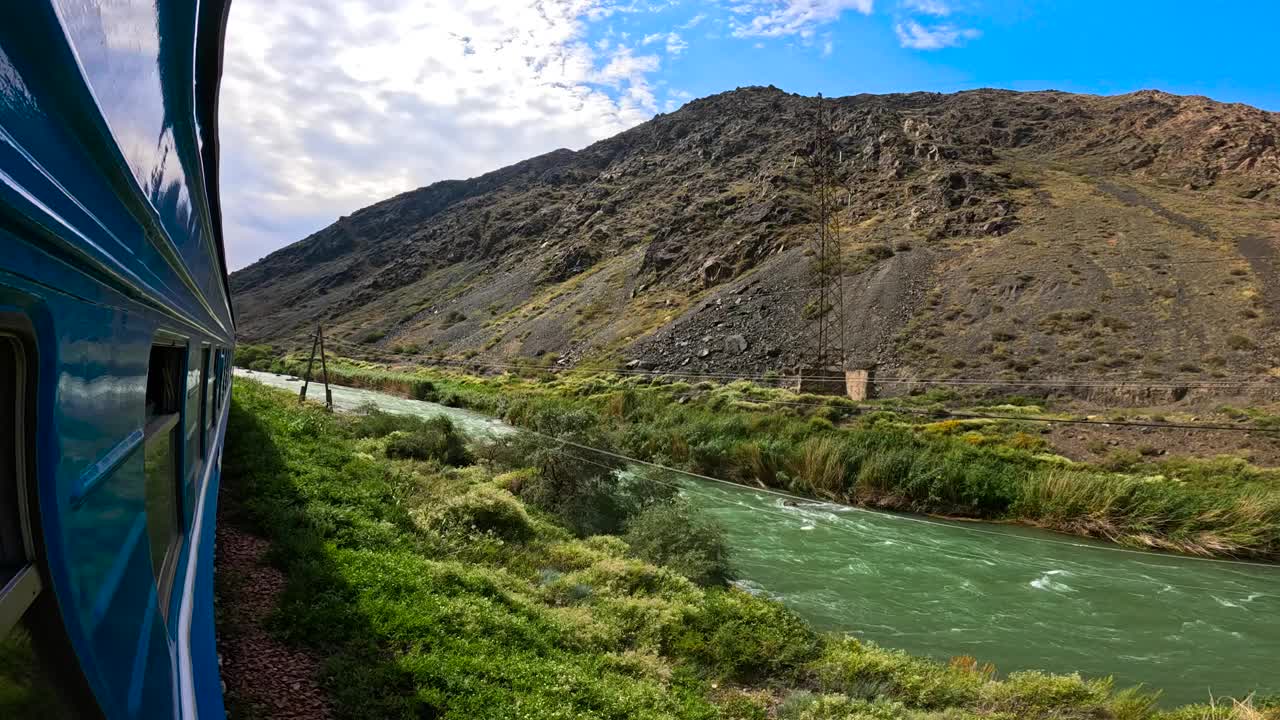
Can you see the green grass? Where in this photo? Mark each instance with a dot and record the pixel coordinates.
(837, 450)
(433, 591)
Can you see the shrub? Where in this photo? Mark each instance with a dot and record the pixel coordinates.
(1239, 342)
(881, 251)
(372, 422)
(864, 670)
(819, 467)
(483, 509)
(588, 498)
(256, 357)
(1031, 694)
(1119, 460)
(738, 636)
(677, 536)
(436, 440)
(410, 436)
(423, 390)
(626, 577)
(742, 706)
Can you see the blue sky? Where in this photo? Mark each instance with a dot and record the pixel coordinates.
(331, 105)
(1228, 51)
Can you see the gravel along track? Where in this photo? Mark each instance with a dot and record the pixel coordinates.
(263, 678)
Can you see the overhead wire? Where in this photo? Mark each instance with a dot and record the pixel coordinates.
(810, 501)
(941, 413)
(1029, 274)
(897, 516)
(781, 377)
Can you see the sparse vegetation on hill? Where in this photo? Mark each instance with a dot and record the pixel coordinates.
(990, 234)
(432, 591)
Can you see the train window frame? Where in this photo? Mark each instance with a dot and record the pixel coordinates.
(197, 423)
(20, 582)
(206, 390)
(164, 425)
(218, 364)
(34, 611)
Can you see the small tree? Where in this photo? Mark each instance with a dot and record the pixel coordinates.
(676, 535)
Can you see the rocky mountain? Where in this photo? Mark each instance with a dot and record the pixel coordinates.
(986, 234)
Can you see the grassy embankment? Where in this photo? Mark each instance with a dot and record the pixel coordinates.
(435, 588)
(837, 450)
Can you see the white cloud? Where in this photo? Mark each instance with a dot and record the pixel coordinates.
(675, 44)
(693, 21)
(779, 18)
(919, 37)
(676, 98)
(939, 8)
(331, 105)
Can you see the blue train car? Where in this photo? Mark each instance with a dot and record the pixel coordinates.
(116, 334)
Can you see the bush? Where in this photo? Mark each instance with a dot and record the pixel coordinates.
(819, 467)
(880, 251)
(587, 498)
(410, 436)
(738, 636)
(675, 535)
(423, 390)
(483, 509)
(438, 440)
(256, 357)
(864, 670)
(372, 422)
(1030, 694)
(1239, 342)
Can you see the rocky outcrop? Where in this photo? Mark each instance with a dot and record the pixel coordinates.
(962, 214)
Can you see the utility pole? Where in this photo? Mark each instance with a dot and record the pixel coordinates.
(822, 369)
(317, 342)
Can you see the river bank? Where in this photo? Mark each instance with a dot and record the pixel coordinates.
(1020, 598)
(431, 590)
(864, 455)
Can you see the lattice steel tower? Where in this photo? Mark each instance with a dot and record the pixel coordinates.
(823, 309)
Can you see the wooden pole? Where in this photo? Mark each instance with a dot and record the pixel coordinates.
(306, 378)
(324, 366)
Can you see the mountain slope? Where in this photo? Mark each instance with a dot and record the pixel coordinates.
(989, 234)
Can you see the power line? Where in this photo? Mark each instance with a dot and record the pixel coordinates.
(889, 380)
(793, 497)
(1031, 274)
(1027, 418)
(807, 500)
(943, 413)
(812, 502)
(1069, 382)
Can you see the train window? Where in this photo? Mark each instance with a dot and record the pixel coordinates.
(161, 463)
(195, 446)
(12, 550)
(217, 381)
(19, 583)
(208, 389)
(34, 653)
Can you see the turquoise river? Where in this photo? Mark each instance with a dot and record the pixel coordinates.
(1015, 597)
